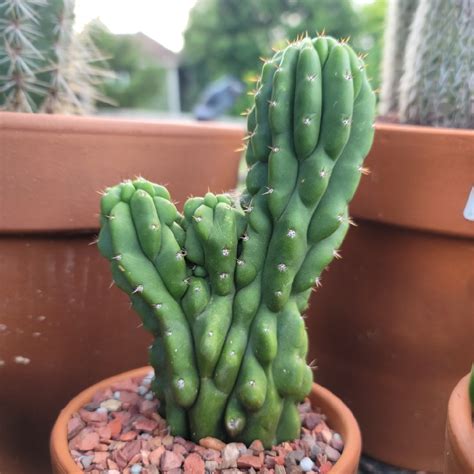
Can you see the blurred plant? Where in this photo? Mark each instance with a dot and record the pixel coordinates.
(369, 40)
(139, 82)
(437, 87)
(44, 66)
(400, 16)
(228, 36)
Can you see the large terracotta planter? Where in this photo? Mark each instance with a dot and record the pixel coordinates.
(339, 416)
(392, 326)
(459, 450)
(61, 327)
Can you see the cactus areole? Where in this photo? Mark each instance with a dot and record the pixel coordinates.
(223, 287)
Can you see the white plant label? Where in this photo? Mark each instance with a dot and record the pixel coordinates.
(469, 209)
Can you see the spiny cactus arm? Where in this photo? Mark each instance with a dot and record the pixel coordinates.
(330, 221)
(298, 179)
(128, 238)
(259, 138)
(312, 170)
(218, 226)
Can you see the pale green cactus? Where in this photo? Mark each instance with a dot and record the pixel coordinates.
(399, 16)
(437, 86)
(44, 65)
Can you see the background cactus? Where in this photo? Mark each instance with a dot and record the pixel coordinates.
(400, 16)
(223, 287)
(44, 65)
(437, 84)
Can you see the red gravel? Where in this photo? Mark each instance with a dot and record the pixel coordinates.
(131, 438)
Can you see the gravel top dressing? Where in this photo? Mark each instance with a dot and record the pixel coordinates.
(120, 431)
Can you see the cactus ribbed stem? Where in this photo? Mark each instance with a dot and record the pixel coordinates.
(223, 287)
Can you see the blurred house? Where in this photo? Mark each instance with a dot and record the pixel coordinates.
(166, 59)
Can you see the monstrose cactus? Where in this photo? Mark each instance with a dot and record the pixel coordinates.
(224, 286)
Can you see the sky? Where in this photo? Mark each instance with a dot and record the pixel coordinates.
(155, 18)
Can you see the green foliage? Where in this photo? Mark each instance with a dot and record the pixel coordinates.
(369, 40)
(223, 287)
(228, 36)
(139, 82)
(44, 66)
(437, 84)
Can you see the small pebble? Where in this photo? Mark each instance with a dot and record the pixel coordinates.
(111, 404)
(101, 410)
(142, 390)
(86, 461)
(149, 396)
(116, 395)
(332, 454)
(336, 442)
(306, 464)
(136, 469)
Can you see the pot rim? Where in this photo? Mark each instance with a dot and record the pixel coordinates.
(380, 124)
(421, 179)
(337, 412)
(459, 425)
(97, 125)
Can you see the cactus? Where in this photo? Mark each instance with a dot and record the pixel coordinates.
(223, 287)
(437, 85)
(400, 16)
(44, 66)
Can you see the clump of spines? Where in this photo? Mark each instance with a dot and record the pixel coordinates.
(237, 276)
(437, 87)
(44, 65)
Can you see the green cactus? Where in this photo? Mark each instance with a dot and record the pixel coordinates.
(44, 66)
(223, 287)
(437, 85)
(399, 19)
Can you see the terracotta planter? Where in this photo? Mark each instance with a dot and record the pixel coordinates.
(61, 327)
(339, 416)
(392, 326)
(459, 450)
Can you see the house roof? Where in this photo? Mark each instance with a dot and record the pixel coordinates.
(164, 56)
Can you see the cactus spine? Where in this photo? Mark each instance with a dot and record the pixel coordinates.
(400, 16)
(437, 87)
(44, 66)
(223, 287)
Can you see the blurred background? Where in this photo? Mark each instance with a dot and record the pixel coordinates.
(197, 58)
(180, 59)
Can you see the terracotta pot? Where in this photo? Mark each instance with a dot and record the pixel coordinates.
(459, 450)
(56, 308)
(339, 416)
(392, 326)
